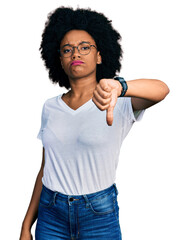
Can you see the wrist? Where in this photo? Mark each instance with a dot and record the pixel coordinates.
(26, 226)
(119, 89)
(124, 87)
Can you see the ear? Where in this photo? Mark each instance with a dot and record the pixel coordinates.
(99, 58)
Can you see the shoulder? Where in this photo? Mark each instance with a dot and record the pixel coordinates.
(52, 100)
(124, 103)
(125, 100)
(126, 108)
(50, 104)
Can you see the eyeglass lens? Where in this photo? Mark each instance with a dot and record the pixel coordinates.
(83, 48)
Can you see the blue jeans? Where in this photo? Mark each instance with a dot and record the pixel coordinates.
(92, 216)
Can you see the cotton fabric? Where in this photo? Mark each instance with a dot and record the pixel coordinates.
(81, 150)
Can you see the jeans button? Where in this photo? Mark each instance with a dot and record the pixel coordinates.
(71, 199)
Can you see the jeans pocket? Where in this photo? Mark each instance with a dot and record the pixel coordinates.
(46, 200)
(103, 205)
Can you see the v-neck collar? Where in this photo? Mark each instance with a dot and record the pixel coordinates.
(85, 106)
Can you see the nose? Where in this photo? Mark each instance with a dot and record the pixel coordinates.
(75, 53)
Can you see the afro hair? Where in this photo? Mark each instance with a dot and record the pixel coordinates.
(62, 20)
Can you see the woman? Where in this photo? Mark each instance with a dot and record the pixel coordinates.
(77, 197)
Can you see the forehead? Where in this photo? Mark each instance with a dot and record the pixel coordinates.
(76, 36)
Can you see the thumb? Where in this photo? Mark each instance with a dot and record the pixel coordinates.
(109, 115)
(109, 111)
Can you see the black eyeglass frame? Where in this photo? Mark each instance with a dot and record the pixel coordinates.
(73, 47)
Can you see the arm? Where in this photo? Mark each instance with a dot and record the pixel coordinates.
(32, 211)
(143, 92)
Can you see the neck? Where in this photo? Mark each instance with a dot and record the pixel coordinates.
(81, 88)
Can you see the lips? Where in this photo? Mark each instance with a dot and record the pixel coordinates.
(77, 62)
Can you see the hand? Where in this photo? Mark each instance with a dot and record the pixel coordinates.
(26, 235)
(105, 97)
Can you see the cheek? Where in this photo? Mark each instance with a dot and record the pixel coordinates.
(64, 65)
(93, 61)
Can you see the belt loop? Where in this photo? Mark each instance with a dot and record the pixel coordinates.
(54, 197)
(87, 201)
(115, 189)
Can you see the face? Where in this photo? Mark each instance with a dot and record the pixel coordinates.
(78, 65)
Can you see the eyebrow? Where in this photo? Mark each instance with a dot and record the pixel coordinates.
(72, 45)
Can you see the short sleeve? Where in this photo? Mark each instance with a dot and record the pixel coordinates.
(125, 106)
(135, 115)
(128, 116)
(39, 135)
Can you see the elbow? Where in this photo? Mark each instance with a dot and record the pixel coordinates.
(164, 90)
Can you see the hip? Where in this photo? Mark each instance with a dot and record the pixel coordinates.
(91, 216)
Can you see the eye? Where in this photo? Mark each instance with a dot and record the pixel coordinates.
(85, 47)
(66, 50)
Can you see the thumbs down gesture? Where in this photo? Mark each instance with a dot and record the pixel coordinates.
(105, 96)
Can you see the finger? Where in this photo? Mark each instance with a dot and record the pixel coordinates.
(101, 107)
(102, 93)
(109, 113)
(101, 100)
(109, 116)
(104, 85)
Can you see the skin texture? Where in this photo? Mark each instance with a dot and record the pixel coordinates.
(143, 92)
(88, 68)
(82, 77)
(32, 211)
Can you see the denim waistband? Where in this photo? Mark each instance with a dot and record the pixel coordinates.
(90, 196)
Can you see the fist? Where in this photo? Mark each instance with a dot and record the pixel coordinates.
(105, 97)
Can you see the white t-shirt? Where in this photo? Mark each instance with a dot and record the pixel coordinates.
(81, 150)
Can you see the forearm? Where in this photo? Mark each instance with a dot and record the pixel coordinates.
(32, 211)
(149, 89)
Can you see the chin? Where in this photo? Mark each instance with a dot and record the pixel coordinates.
(82, 75)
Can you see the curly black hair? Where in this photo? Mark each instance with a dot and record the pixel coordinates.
(62, 20)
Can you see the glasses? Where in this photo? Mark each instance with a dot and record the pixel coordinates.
(83, 48)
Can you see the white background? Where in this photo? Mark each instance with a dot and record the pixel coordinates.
(153, 172)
